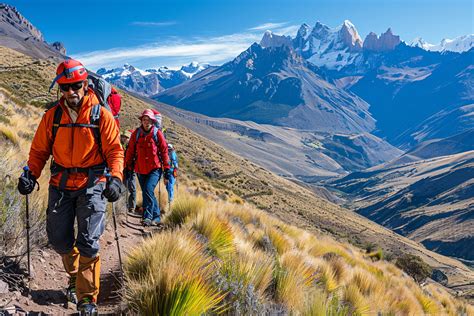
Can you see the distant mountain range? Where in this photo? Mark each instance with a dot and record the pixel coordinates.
(459, 44)
(150, 81)
(272, 85)
(353, 83)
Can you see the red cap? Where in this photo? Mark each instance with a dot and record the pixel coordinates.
(148, 113)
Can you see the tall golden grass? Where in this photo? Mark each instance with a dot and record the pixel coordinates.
(247, 262)
(15, 144)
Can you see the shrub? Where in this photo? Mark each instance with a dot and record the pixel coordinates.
(376, 255)
(414, 266)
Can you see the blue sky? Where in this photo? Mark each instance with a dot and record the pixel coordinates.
(172, 33)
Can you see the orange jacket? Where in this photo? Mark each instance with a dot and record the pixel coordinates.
(76, 146)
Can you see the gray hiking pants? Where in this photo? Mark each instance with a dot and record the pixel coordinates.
(131, 184)
(64, 207)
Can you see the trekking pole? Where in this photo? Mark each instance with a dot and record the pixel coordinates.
(159, 191)
(169, 203)
(108, 176)
(26, 169)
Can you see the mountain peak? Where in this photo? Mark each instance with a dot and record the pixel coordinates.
(348, 24)
(386, 42)
(9, 14)
(270, 39)
(193, 68)
(349, 36)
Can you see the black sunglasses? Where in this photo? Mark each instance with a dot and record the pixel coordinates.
(74, 86)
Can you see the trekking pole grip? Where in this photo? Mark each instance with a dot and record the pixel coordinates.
(27, 175)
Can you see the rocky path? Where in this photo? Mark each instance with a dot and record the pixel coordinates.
(46, 296)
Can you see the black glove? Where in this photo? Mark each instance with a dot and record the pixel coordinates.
(166, 174)
(113, 189)
(26, 183)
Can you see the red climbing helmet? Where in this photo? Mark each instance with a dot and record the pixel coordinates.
(69, 71)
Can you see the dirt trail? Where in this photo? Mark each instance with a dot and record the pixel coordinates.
(49, 279)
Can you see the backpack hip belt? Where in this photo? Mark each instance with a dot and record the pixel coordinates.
(92, 173)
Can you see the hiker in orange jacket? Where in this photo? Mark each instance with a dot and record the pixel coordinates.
(84, 145)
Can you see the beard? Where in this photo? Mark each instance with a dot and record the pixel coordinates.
(74, 100)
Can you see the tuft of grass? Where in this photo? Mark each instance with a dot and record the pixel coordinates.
(365, 282)
(293, 277)
(4, 119)
(183, 208)
(427, 304)
(236, 200)
(320, 304)
(9, 135)
(326, 276)
(218, 233)
(376, 255)
(279, 240)
(170, 275)
(357, 302)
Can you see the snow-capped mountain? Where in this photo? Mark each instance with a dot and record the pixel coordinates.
(332, 48)
(336, 48)
(150, 81)
(459, 44)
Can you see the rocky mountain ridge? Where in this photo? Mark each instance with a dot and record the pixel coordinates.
(19, 33)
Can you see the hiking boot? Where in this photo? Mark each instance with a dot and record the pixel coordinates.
(156, 222)
(147, 222)
(87, 307)
(71, 290)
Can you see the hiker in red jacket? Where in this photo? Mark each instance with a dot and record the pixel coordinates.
(147, 155)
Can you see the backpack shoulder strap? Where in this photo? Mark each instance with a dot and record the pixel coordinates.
(94, 121)
(58, 113)
(139, 130)
(155, 136)
(157, 142)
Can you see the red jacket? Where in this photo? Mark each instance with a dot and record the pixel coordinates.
(144, 156)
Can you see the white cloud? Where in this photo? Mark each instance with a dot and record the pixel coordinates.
(176, 51)
(268, 26)
(287, 30)
(142, 23)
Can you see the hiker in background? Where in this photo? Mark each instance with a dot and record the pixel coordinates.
(173, 161)
(158, 119)
(149, 151)
(129, 176)
(83, 139)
